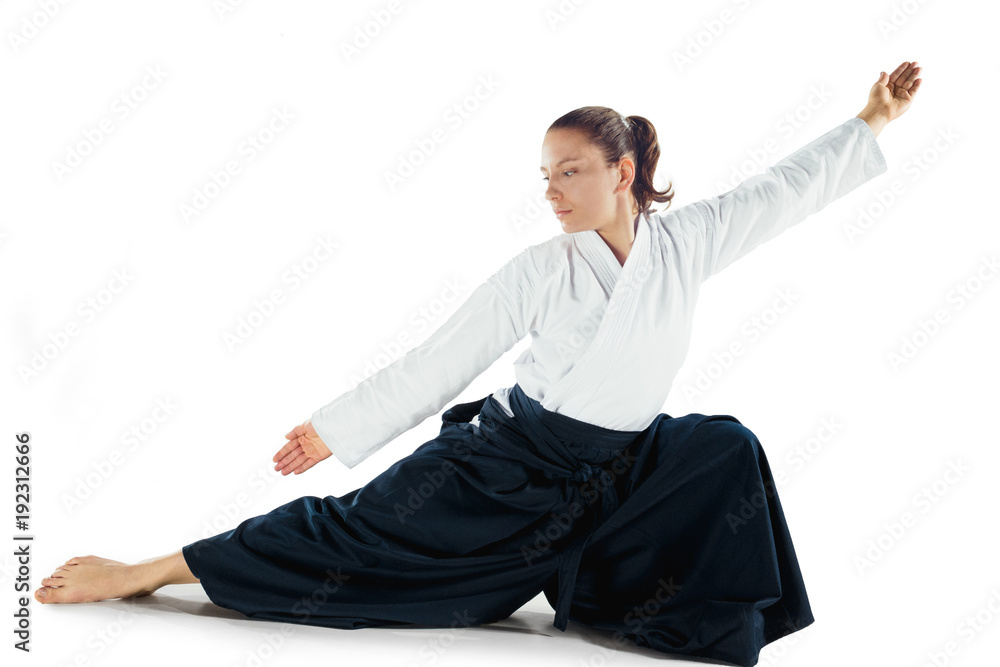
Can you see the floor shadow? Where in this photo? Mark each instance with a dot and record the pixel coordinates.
(192, 602)
(190, 599)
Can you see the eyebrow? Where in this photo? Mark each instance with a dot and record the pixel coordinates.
(566, 159)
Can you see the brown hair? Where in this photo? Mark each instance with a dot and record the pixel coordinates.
(616, 136)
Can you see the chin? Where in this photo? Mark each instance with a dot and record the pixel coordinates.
(571, 226)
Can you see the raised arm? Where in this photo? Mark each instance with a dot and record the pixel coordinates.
(732, 224)
(761, 207)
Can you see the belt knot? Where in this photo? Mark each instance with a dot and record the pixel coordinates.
(587, 472)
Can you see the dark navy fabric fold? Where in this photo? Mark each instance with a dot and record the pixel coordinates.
(672, 537)
(564, 449)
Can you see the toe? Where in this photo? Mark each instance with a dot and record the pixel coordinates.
(76, 560)
(49, 595)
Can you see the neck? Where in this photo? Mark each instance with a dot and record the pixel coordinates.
(620, 235)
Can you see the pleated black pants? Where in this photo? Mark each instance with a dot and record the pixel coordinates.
(672, 537)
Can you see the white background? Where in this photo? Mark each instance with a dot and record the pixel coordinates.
(459, 216)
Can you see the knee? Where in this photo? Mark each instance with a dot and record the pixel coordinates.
(723, 435)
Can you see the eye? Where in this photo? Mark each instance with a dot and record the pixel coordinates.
(545, 178)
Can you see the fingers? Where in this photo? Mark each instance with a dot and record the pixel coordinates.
(904, 74)
(292, 458)
(898, 71)
(305, 466)
(288, 453)
(289, 459)
(286, 450)
(908, 86)
(294, 440)
(295, 463)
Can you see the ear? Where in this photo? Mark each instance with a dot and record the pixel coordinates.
(627, 171)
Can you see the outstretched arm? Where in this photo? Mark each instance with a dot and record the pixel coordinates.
(730, 225)
(359, 422)
(891, 96)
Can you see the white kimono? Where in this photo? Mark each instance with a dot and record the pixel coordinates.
(606, 340)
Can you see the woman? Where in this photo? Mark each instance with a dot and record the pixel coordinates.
(667, 531)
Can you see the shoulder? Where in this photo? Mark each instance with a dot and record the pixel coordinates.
(684, 225)
(536, 262)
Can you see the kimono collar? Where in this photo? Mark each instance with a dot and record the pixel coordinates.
(600, 255)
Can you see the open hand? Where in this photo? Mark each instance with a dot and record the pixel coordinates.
(893, 93)
(303, 450)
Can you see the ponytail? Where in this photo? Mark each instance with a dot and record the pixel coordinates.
(646, 148)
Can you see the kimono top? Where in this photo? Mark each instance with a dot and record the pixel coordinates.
(606, 339)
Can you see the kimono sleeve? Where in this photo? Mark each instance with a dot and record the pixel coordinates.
(421, 382)
(763, 206)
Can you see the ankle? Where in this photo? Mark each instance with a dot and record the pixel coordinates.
(164, 570)
(148, 575)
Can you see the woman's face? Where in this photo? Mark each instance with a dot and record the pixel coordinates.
(579, 181)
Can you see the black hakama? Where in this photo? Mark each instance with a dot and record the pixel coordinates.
(672, 536)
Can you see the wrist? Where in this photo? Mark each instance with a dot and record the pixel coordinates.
(876, 118)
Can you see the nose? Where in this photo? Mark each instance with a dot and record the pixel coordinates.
(550, 193)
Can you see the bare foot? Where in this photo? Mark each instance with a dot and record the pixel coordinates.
(91, 578)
